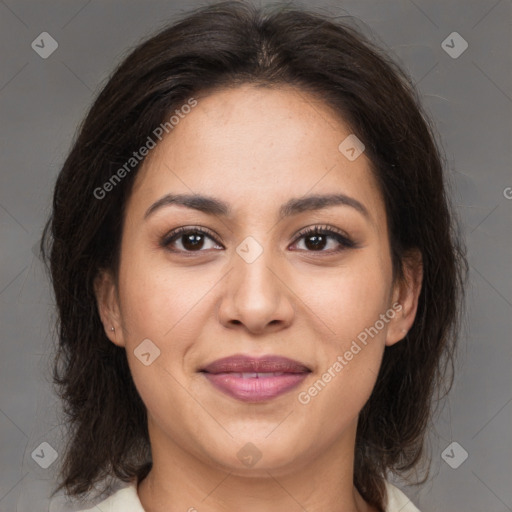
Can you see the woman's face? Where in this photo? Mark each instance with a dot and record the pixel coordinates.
(252, 286)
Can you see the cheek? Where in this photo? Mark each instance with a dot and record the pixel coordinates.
(349, 304)
(155, 300)
(157, 310)
(168, 307)
(349, 299)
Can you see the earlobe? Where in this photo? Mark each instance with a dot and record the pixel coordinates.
(108, 306)
(406, 293)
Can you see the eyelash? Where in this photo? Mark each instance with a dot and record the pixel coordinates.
(341, 238)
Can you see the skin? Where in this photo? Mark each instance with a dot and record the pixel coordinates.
(254, 148)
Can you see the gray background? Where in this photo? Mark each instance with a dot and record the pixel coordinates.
(470, 98)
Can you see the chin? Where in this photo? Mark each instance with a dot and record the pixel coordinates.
(257, 455)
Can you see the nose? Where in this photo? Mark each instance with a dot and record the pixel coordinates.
(256, 295)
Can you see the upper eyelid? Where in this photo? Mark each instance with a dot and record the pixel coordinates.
(185, 229)
(323, 228)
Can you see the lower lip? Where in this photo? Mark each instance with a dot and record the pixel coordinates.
(255, 389)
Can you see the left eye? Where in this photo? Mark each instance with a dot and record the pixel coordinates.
(316, 239)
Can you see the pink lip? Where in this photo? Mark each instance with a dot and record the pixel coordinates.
(226, 375)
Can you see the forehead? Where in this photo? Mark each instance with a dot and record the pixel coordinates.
(257, 146)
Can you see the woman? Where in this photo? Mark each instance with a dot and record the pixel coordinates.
(257, 274)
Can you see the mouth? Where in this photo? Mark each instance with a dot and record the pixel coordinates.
(252, 379)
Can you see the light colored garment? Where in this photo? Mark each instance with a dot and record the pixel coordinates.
(127, 500)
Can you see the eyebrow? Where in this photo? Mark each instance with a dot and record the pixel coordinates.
(294, 206)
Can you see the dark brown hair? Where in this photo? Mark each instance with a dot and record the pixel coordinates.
(225, 45)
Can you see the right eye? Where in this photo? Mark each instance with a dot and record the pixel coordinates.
(191, 239)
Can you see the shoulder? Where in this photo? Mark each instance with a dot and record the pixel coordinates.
(122, 500)
(398, 501)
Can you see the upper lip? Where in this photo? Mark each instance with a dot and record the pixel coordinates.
(263, 364)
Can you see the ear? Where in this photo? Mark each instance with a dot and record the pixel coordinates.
(405, 295)
(107, 300)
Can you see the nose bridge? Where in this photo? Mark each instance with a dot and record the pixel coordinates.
(253, 261)
(254, 295)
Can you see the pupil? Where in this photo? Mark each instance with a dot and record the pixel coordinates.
(319, 244)
(193, 241)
